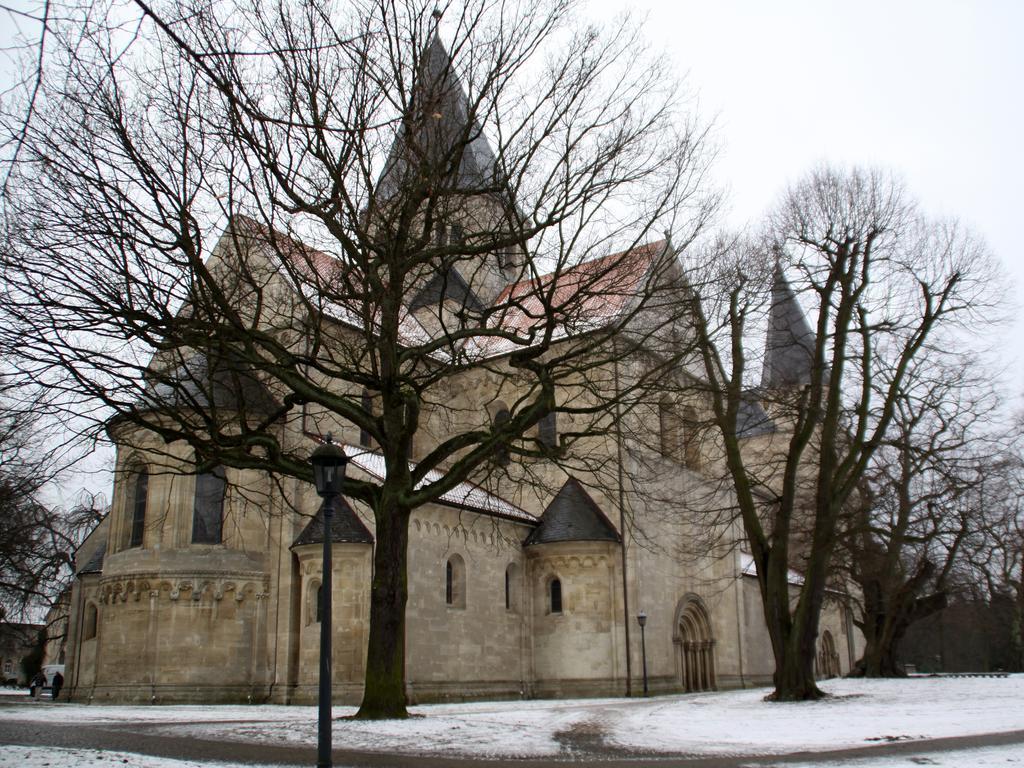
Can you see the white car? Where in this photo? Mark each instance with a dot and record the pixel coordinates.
(50, 670)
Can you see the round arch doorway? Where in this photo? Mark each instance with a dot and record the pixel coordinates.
(695, 645)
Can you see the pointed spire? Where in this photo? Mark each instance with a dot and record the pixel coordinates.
(440, 122)
(789, 347)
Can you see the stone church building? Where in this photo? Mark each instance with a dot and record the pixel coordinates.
(204, 587)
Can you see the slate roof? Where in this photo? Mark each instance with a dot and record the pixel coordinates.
(446, 286)
(95, 564)
(199, 383)
(443, 124)
(346, 527)
(751, 419)
(789, 348)
(572, 516)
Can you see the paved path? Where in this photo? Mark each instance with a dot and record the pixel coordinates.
(577, 748)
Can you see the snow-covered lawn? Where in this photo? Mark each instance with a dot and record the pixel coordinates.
(858, 713)
(52, 757)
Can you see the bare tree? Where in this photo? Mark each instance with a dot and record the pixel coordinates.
(880, 282)
(37, 541)
(402, 216)
(922, 500)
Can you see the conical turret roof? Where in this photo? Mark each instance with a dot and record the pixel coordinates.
(439, 132)
(789, 347)
(346, 527)
(572, 516)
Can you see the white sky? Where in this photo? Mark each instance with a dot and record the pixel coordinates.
(928, 88)
(931, 89)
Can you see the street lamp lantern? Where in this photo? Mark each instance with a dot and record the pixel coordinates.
(328, 462)
(641, 619)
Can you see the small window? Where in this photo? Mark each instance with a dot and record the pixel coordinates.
(511, 582)
(547, 431)
(91, 617)
(208, 510)
(458, 235)
(140, 493)
(556, 596)
(501, 453)
(455, 582)
(8, 669)
(668, 430)
(319, 603)
(690, 440)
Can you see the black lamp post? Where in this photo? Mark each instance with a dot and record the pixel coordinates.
(328, 462)
(641, 619)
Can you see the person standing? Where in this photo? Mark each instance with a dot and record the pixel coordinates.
(56, 685)
(36, 685)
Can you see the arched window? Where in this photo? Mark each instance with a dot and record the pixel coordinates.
(314, 603)
(455, 582)
(547, 431)
(208, 511)
(555, 592)
(501, 453)
(511, 583)
(668, 429)
(91, 616)
(137, 506)
(691, 443)
(366, 402)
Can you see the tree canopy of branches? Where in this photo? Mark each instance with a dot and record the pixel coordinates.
(37, 541)
(922, 501)
(410, 193)
(880, 282)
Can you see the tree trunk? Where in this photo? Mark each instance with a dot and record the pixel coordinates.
(384, 691)
(885, 626)
(792, 639)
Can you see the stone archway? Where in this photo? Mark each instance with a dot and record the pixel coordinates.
(828, 657)
(695, 645)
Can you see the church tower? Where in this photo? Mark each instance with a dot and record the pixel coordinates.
(440, 154)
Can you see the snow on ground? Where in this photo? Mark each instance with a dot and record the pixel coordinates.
(858, 713)
(989, 757)
(54, 757)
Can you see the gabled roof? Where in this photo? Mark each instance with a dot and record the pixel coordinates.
(583, 297)
(572, 516)
(789, 348)
(346, 527)
(440, 287)
(443, 124)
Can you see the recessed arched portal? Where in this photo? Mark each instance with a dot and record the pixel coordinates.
(695, 645)
(828, 658)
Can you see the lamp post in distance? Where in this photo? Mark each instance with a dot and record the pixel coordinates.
(641, 619)
(328, 462)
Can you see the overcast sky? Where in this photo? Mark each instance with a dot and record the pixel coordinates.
(931, 89)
